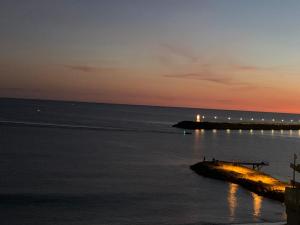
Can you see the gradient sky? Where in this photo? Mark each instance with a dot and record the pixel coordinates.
(208, 54)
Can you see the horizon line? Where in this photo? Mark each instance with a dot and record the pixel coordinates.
(128, 104)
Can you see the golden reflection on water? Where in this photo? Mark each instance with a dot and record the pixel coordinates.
(232, 199)
(197, 145)
(257, 200)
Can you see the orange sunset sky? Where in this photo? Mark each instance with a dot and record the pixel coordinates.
(241, 55)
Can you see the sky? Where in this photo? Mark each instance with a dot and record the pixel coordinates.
(224, 54)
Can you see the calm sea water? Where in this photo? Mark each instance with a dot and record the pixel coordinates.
(134, 169)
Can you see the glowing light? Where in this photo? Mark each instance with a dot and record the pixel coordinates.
(198, 119)
(262, 131)
(292, 121)
(251, 131)
(203, 117)
(202, 130)
(241, 118)
(282, 120)
(272, 131)
(263, 119)
(256, 176)
(215, 117)
(228, 131)
(229, 118)
(257, 200)
(240, 130)
(232, 199)
(214, 131)
(252, 118)
(281, 131)
(273, 120)
(197, 145)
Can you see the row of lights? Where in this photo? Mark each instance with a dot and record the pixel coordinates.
(229, 118)
(251, 131)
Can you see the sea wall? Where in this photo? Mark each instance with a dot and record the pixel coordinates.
(192, 125)
(292, 203)
(253, 180)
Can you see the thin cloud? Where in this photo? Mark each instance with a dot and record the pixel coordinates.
(224, 80)
(92, 69)
(180, 51)
(82, 68)
(249, 68)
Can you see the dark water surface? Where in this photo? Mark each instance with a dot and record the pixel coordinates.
(134, 169)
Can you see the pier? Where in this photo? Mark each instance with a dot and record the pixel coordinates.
(251, 179)
(193, 125)
(255, 165)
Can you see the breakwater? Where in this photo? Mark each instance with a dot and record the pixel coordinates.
(192, 125)
(253, 180)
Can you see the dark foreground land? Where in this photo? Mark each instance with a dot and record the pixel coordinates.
(192, 125)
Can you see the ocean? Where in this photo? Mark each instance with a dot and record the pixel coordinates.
(76, 163)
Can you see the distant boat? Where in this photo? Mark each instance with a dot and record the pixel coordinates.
(186, 132)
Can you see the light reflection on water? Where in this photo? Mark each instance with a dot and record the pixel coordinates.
(198, 152)
(232, 200)
(257, 201)
(281, 133)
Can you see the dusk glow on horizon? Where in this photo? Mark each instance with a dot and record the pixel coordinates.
(233, 54)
